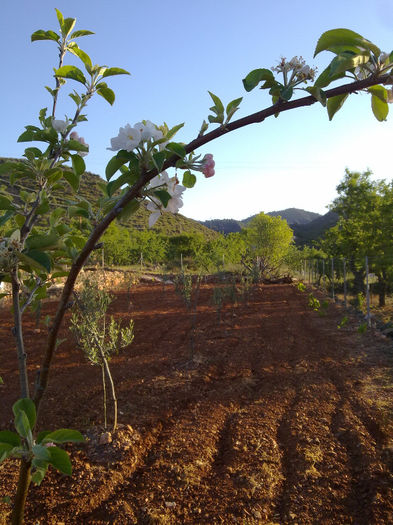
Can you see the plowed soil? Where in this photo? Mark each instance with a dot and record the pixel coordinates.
(279, 417)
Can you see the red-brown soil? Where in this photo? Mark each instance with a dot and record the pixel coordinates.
(281, 417)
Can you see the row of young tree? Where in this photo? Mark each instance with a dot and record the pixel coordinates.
(266, 240)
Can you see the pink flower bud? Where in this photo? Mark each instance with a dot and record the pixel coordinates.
(209, 172)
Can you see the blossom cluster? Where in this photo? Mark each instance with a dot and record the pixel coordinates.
(61, 127)
(175, 190)
(297, 65)
(145, 137)
(130, 138)
(9, 247)
(373, 67)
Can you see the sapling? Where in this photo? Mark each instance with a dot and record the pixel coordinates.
(99, 339)
(188, 289)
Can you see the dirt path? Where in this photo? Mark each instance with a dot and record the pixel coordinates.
(277, 421)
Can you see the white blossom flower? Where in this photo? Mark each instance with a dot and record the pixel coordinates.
(128, 139)
(148, 130)
(60, 125)
(174, 189)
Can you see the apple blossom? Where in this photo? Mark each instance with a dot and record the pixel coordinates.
(174, 189)
(148, 130)
(128, 139)
(59, 125)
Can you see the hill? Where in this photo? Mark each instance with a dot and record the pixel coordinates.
(306, 233)
(293, 216)
(168, 224)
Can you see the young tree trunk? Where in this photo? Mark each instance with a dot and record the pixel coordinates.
(21, 493)
(104, 392)
(17, 331)
(108, 372)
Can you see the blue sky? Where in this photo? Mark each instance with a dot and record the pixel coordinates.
(176, 51)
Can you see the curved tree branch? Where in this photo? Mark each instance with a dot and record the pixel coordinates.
(135, 191)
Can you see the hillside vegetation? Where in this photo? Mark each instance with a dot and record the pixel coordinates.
(168, 224)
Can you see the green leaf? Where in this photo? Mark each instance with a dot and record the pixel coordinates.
(39, 472)
(44, 35)
(41, 453)
(75, 145)
(217, 103)
(64, 435)
(233, 104)
(60, 460)
(11, 438)
(380, 108)
(20, 220)
(40, 242)
(43, 207)
(111, 71)
(380, 92)
(164, 197)
(81, 32)
(335, 103)
(116, 162)
(22, 425)
(75, 211)
(172, 132)
(27, 136)
(78, 165)
(107, 94)
(346, 62)
(60, 17)
(256, 76)
(218, 119)
(189, 179)
(67, 26)
(5, 449)
(176, 148)
(5, 204)
(232, 107)
(325, 78)
(75, 50)
(159, 159)
(71, 72)
(129, 209)
(41, 259)
(28, 407)
(125, 178)
(32, 153)
(318, 94)
(344, 37)
(6, 217)
(73, 180)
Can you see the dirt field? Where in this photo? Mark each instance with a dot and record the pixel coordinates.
(281, 418)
